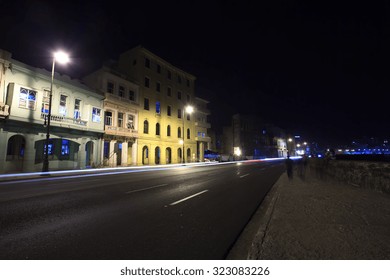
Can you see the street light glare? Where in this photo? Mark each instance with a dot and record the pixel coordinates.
(189, 109)
(61, 57)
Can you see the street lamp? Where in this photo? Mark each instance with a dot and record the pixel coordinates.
(188, 109)
(62, 58)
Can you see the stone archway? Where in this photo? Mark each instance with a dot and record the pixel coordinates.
(145, 155)
(168, 155)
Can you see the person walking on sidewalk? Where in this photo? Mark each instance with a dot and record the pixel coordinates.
(289, 167)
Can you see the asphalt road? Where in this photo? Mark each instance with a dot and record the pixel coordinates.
(187, 212)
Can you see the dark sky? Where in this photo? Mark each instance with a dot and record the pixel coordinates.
(319, 70)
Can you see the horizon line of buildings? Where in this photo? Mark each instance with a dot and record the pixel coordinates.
(127, 112)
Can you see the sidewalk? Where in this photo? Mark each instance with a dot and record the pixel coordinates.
(316, 220)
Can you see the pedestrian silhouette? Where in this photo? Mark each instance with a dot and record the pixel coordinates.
(289, 167)
(302, 164)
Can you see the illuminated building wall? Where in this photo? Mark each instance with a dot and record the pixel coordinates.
(76, 125)
(165, 90)
(121, 107)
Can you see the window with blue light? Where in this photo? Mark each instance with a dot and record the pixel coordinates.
(65, 151)
(51, 148)
(27, 98)
(96, 114)
(45, 102)
(158, 107)
(106, 149)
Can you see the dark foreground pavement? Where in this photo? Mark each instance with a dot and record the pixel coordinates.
(315, 220)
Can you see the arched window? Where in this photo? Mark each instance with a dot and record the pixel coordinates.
(179, 155)
(15, 147)
(168, 154)
(145, 155)
(146, 127)
(157, 129)
(188, 133)
(179, 132)
(157, 155)
(168, 130)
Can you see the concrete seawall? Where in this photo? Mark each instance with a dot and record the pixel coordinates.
(363, 174)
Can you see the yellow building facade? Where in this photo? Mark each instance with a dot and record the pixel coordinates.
(165, 131)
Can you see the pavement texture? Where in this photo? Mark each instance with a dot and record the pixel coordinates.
(309, 219)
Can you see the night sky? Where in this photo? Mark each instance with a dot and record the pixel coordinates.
(318, 70)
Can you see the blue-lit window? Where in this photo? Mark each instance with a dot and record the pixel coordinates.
(51, 147)
(45, 102)
(62, 108)
(27, 98)
(65, 151)
(158, 107)
(96, 114)
(106, 149)
(77, 105)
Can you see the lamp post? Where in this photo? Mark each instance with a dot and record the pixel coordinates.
(62, 58)
(188, 109)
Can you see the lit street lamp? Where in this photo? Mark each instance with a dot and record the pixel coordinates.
(62, 58)
(188, 109)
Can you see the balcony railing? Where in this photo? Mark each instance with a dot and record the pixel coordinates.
(112, 97)
(62, 119)
(121, 131)
(203, 139)
(203, 124)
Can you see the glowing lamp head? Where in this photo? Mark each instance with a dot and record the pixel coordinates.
(61, 57)
(189, 109)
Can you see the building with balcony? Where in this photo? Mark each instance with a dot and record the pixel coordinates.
(202, 126)
(76, 126)
(121, 107)
(166, 132)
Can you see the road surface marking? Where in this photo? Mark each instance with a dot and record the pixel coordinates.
(188, 197)
(145, 189)
(242, 176)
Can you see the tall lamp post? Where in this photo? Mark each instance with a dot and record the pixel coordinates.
(62, 58)
(188, 109)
